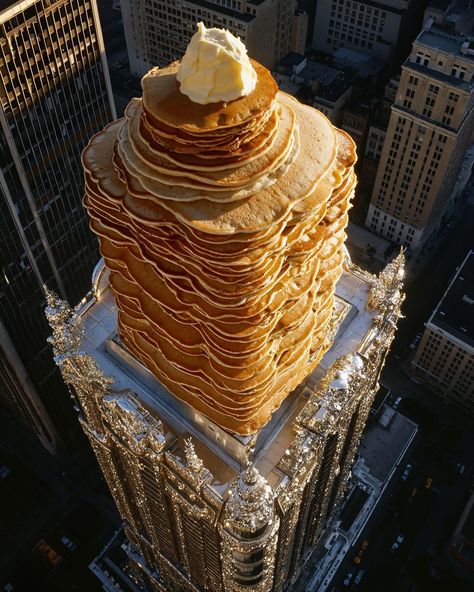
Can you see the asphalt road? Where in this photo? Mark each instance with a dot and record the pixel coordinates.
(446, 436)
(426, 519)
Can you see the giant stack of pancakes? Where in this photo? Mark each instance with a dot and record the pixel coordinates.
(222, 226)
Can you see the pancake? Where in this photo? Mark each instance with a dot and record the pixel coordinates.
(223, 228)
(165, 103)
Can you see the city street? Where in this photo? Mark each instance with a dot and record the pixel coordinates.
(425, 517)
(43, 502)
(423, 512)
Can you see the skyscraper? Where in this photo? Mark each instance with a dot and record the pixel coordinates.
(429, 130)
(445, 357)
(157, 33)
(380, 29)
(55, 92)
(204, 509)
(222, 378)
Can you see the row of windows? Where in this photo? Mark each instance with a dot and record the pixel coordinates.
(457, 70)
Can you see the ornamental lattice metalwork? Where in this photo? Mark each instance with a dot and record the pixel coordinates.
(189, 528)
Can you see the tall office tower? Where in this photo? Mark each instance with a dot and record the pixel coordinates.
(445, 357)
(430, 128)
(383, 29)
(203, 508)
(54, 93)
(157, 33)
(222, 378)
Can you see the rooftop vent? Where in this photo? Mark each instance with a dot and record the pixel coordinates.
(467, 48)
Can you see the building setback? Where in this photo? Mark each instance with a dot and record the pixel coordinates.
(205, 509)
(158, 33)
(430, 128)
(54, 92)
(445, 356)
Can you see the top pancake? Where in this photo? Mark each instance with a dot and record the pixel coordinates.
(165, 102)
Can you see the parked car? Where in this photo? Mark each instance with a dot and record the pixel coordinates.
(360, 574)
(44, 549)
(348, 579)
(398, 541)
(360, 552)
(406, 472)
(428, 483)
(460, 468)
(68, 543)
(397, 402)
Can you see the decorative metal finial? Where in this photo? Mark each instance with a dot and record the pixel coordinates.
(193, 461)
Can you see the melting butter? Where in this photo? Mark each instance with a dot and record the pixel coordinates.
(215, 67)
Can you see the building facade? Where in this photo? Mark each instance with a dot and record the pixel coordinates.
(299, 31)
(158, 33)
(54, 93)
(445, 355)
(380, 29)
(204, 509)
(430, 128)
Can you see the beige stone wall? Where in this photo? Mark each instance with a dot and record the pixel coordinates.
(447, 365)
(426, 139)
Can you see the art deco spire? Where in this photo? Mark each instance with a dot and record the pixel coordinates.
(250, 505)
(193, 462)
(67, 330)
(388, 284)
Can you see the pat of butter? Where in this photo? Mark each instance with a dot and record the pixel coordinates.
(215, 67)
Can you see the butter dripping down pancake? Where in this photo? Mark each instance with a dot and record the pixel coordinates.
(224, 282)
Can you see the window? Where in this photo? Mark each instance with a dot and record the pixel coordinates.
(422, 58)
(458, 71)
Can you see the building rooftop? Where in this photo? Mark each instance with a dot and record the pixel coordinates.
(458, 83)
(292, 59)
(452, 44)
(385, 441)
(365, 65)
(221, 451)
(331, 93)
(241, 16)
(455, 312)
